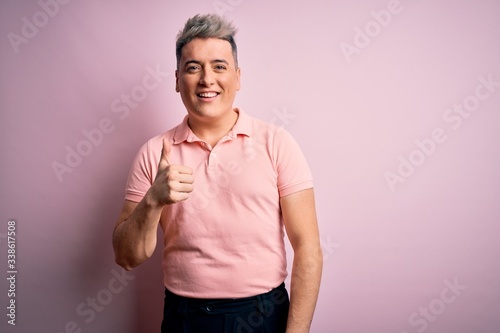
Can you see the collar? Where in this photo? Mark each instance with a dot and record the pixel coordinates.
(243, 126)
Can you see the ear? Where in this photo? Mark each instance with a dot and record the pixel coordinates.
(177, 81)
(238, 77)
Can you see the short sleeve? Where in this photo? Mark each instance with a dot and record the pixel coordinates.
(143, 171)
(293, 172)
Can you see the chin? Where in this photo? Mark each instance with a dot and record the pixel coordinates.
(209, 112)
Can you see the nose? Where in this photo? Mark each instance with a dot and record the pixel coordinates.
(207, 78)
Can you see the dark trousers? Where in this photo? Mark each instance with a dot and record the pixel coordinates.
(265, 313)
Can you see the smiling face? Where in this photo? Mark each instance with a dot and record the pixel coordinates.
(208, 79)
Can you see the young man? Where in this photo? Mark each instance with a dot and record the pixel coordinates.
(223, 186)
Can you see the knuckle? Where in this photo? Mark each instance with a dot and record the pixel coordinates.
(171, 177)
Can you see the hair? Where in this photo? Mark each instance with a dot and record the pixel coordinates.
(206, 26)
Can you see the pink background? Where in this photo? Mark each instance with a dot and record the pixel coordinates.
(393, 250)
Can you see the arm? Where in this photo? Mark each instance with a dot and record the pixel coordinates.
(134, 236)
(299, 216)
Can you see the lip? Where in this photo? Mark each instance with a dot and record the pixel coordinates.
(207, 96)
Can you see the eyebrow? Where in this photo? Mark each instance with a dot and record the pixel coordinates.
(197, 62)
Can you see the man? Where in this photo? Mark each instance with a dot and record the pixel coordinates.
(223, 186)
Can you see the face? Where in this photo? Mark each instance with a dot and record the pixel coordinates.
(207, 78)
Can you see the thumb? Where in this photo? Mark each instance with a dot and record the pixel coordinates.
(165, 155)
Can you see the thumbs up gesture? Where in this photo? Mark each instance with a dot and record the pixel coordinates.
(173, 183)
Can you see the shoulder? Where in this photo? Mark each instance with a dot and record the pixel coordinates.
(265, 129)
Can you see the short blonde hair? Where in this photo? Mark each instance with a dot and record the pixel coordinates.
(206, 26)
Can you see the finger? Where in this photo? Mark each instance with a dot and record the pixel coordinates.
(182, 188)
(176, 177)
(182, 169)
(179, 196)
(185, 178)
(165, 154)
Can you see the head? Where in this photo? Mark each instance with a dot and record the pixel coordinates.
(206, 26)
(207, 75)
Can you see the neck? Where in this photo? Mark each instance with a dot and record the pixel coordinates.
(212, 130)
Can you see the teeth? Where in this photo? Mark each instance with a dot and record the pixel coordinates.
(210, 94)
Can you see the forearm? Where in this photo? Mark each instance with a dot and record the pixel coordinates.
(134, 240)
(305, 283)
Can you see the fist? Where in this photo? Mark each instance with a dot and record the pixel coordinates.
(173, 183)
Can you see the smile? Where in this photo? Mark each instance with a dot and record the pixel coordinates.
(208, 94)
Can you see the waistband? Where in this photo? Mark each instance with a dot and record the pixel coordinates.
(276, 295)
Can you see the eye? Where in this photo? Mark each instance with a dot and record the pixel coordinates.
(193, 68)
(220, 67)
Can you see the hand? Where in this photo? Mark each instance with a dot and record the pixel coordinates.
(173, 183)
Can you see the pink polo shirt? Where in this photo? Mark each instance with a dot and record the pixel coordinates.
(226, 239)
